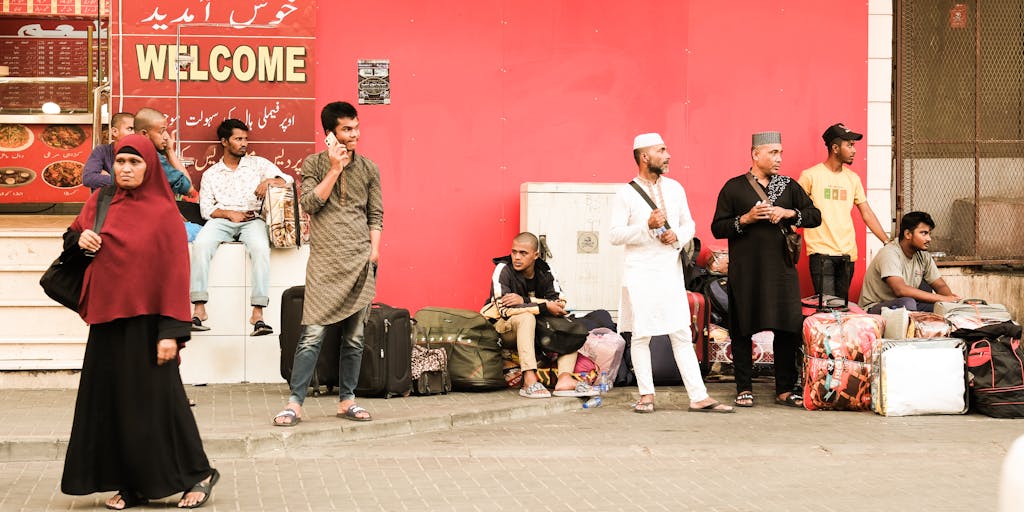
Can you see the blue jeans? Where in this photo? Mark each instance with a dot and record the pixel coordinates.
(349, 361)
(217, 231)
(906, 302)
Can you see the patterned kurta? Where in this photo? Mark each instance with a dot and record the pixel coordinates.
(339, 278)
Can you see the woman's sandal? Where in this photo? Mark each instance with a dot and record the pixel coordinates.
(744, 399)
(643, 407)
(129, 499)
(204, 487)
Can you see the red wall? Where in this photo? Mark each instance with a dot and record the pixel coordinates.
(490, 94)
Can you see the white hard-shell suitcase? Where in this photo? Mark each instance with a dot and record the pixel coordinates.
(919, 376)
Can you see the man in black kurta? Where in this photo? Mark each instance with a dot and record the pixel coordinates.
(764, 291)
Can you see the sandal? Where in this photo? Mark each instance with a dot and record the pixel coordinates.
(293, 418)
(204, 487)
(581, 390)
(260, 328)
(197, 324)
(643, 407)
(791, 400)
(352, 413)
(129, 499)
(714, 406)
(744, 399)
(535, 390)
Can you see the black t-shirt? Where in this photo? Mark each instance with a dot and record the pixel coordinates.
(531, 288)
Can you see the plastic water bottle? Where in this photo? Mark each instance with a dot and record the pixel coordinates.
(593, 403)
(602, 383)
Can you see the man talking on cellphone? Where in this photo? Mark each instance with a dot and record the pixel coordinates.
(341, 191)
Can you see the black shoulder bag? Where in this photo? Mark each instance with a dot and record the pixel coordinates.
(793, 240)
(560, 334)
(62, 282)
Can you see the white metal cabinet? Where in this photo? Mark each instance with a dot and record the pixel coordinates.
(574, 219)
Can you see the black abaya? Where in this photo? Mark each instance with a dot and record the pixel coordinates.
(133, 429)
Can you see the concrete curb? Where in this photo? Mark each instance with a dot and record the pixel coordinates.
(318, 431)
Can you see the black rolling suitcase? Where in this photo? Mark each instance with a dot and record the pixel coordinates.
(387, 353)
(663, 363)
(326, 371)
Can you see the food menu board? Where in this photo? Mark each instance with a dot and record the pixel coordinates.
(43, 163)
(37, 56)
(32, 48)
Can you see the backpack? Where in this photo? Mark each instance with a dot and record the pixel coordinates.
(717, 292)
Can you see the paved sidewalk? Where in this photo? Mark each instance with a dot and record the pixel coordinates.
(510, 453)
(235, 419)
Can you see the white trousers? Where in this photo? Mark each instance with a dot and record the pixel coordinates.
(686, 361)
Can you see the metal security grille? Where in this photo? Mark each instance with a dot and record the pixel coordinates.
(960, 125)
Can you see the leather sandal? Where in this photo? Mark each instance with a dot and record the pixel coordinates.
(130, 499)
(204, 487)
(744, 399)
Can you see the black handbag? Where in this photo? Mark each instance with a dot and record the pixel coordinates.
(62, 282)
(560, 334)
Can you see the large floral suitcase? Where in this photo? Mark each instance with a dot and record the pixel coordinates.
(837, 360)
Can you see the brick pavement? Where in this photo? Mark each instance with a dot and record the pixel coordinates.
(767, 458)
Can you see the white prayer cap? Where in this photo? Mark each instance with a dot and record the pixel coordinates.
(645, 140)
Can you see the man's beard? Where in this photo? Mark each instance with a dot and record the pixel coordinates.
(657, 170)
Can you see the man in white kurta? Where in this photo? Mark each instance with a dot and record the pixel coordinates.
(653, 288)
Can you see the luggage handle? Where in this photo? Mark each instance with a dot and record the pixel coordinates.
(974, 302)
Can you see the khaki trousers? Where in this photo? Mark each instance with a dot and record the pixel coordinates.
(519, 330)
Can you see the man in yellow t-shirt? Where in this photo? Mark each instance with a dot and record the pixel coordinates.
(835, 190)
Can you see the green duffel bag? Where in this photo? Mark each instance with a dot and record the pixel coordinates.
(472, 344)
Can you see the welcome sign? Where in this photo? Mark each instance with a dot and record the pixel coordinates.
(200, 62)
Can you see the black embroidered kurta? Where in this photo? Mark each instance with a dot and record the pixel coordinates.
(764, 292)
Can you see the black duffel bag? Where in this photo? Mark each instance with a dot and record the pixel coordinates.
(560, 334)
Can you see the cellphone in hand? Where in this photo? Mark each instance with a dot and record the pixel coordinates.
(331, 140)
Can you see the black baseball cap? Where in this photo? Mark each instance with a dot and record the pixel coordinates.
(838, 131)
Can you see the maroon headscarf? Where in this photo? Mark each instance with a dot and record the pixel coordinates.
(142, 267)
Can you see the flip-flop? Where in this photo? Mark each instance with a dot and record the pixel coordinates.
(197, 324)
(130, 500)
(352, 413)
(713, 407)
(261, 329)
(581, 390)
(204, 487)
(791, 401)
(287, 413)
(643, 407)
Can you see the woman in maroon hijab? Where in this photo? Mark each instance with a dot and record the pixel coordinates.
(133, 431)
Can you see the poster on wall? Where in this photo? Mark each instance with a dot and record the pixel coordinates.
(201, 62)
(374, 82)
